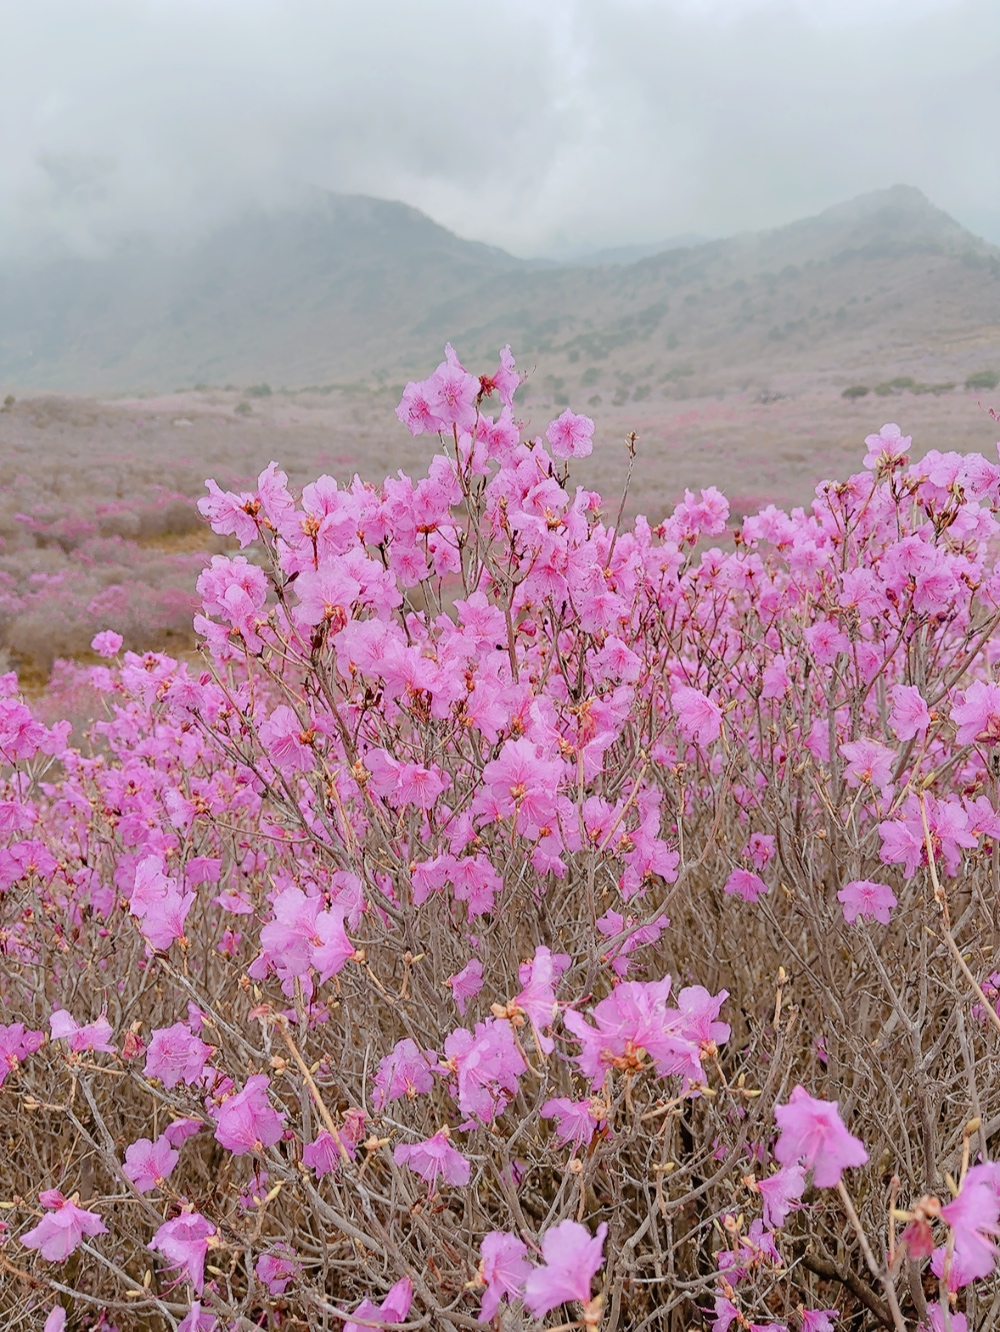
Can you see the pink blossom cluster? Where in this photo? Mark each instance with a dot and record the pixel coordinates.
(466, 927)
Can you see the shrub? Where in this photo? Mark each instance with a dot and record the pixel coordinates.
(891, 386)
(520, 912)
(855, 391)
(983, 379)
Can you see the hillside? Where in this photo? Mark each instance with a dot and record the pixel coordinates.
(359, 290)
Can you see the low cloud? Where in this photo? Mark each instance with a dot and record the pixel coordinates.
(538, 128)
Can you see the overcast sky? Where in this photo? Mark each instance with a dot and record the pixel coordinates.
(544, 126)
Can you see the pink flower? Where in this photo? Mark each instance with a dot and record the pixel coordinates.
(613, 923)
(184, 1243)
(487, 1065)
(973, 1218)
(977, 717)
(282, 738)
(868, 762)
(16, 1043)
(760, 850)
(326, 595)
(903, 840)
(825, 641)
(435, 1156)
(726, 1313)
(247, 1122)
(56, 1320)
(959, 1322)
(822, 1320)
(862, 897)
(452, 392)
(538, 998)
(405, 1071)
(576, 1121)
(303, 935)
(753, 1250)
(780, 1192)
(521, 782)
(466, 984)
(61, 1230)
(95, 1035)
(571, 1259)
(197, 1321)
(393, 1309)
(179, 1130)
(414, 410)
(503, 1267)
(744, 883)
(324, 1154)
(174, 1055)
(158, 903)
(20, 734)
(277, 1269)
(813, 1135)
(107, 643)
(229, 514)
(635, 1017)
(162, 922)
(148, 1164)
(887, 449)
(331, 949)
(698, 718)
(571, 436)
(505, 379)
(909, 715)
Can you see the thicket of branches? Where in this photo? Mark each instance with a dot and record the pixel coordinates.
(442, 951)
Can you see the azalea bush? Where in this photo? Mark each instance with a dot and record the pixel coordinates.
(71, 568)
(521, 918)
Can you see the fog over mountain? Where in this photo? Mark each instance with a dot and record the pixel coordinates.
(556, 128)
(349, 289)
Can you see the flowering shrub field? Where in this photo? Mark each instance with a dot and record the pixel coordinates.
(69, 568)
(521, 920)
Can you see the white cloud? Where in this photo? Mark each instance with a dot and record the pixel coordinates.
(531, 126)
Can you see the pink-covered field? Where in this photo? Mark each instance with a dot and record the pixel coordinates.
(516, 913)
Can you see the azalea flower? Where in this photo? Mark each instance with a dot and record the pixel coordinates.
(61, 1230)
(16, 1043)
(246, 1121)
(862, 897)
(175, 1055)
(184, 1243)
(576, 1121)
(405, 1071)
(94, 1035)
(571, 436)
(393, 1309)
(432, 1157)
(277, 1269)
(780, 1193)
(148, 1164)
(107, 643)
(466, 984)
(813, 1136)
(571, 1258)
(503, 1268)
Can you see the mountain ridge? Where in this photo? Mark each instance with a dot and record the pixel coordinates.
(353, 288)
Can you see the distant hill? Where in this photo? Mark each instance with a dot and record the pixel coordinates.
(628, 254)
(353, 289)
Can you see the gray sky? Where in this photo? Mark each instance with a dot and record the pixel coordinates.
(540, 125)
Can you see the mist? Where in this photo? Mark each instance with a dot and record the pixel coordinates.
(546, 130)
